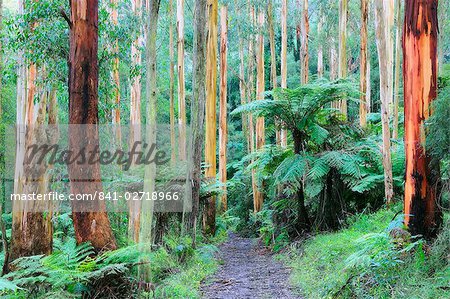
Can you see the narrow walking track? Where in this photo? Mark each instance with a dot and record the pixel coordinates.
(248, 271)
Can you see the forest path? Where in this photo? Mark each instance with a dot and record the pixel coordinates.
(248, 271)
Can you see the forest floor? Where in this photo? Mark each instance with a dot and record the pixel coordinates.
(247, 270)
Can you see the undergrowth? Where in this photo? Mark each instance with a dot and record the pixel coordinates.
(76, 272)
(372, 258)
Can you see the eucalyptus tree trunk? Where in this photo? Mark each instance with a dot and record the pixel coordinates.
(211, 125)
(260, 83)
(320, 68)
(150, 171)
(363, 64)
(422, 188)
(384, 46)
(342, 66)
(273, 57)
(333, 64)
(197, 110)
(398, 49)
(243, 91)
(90, 220)
(368, 84)
(31, 232)
(172, 87)
(283, 133)
(116, 78)
(181, 82)
(223, 130)
(251, 93)
(304, 57)
(135, 121)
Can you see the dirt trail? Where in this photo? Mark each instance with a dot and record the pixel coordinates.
(248, 271)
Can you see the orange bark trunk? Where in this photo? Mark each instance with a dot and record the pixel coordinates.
(420, 35)
(260, 130)
(93, 227)
(211, 125)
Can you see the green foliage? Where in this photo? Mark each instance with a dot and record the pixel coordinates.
(371, 259)
(75, 271)
(297, 109)
(438, 138)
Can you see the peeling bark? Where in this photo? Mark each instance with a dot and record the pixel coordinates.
(260, 88)
(420, 36)
(211, 125)
(93, 227)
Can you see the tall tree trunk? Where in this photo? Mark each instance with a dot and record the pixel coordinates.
(90, 220)
(243, 91)
(283, 133)
(273, 57)
(260, 134)
(116, 78)
(197, 110)
(172, 87)
(31, 232)
(420, 35)
(211, 125)
(150, 170)
(320, 69)
(251, 93)
(135, 121)
(398, 49)
(333, 64)
(363, 65)
(223, 130)
(181, 82)
(304, 50)
(384, 46)
(342, 66)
